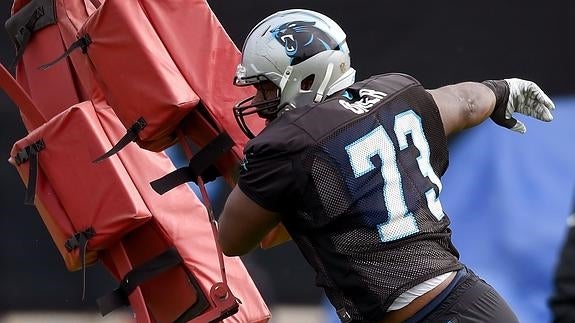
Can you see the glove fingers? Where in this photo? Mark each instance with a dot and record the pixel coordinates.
(542, 104)
(508, 123)
(513, 124)
(508, 112)
(543, 113)
(543, 98)
(533, 102)
(546, 101)
(519, 127)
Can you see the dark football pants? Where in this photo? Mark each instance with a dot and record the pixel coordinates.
(471, 300)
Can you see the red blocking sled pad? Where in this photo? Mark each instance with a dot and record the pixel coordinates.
(36, 48)
(197, 53)
(173, 46)
(128, 60)
(180, 221)
(47, 203)
(196, 277)
(100, 202)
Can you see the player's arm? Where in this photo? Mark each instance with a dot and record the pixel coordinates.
(463, 105)
(243, 224)
(467, 104)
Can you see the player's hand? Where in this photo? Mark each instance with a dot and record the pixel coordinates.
(526, 98)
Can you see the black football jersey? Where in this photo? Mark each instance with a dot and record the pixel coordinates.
(356, 179)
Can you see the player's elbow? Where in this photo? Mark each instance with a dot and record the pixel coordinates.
(475, 107)
(470, 112)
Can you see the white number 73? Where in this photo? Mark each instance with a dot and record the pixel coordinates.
(401, 223)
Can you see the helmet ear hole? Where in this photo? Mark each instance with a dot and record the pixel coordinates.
(307, 82)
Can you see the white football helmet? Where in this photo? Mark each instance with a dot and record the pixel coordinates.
(286, 48)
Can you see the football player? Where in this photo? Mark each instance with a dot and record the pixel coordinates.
(352, 170)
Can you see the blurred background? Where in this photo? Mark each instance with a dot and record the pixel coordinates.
(508, 195)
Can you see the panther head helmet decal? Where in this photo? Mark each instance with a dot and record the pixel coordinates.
(303, 40)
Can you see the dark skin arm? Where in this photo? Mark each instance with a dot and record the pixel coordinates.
(463, 105)
(243, 223)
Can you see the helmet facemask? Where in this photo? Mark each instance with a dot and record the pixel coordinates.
(267, 106)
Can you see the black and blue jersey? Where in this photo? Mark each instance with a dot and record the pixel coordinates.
(357, 181)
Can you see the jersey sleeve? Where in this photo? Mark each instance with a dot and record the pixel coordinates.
(268, 176)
